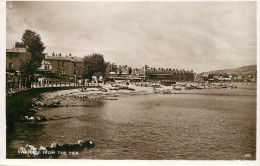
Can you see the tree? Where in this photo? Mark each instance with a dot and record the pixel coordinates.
(93, 63)
(28, 66)
(33, 57)
(130, 71)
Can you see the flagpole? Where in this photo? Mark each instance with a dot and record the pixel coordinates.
(144, 72)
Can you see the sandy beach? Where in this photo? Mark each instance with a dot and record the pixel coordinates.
(96, 93)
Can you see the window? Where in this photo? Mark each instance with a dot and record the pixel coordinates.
(75, 71)
(62, 71)
(47, 67)
(10, 65)
(63, 64)
(75, 64)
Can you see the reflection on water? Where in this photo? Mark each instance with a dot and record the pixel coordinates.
(209, 124)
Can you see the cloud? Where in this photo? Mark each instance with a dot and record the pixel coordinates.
(190, 35)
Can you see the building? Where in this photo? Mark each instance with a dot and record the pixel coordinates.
(66, 65)
(45, 67)
(114, 72)
(161, 74)
(13, 57)
(72, 68)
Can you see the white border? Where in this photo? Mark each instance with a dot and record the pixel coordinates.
(64, 162)
(2, 79)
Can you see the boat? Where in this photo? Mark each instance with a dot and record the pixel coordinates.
(114, 88)
(114, 85)
(103, 90)
(156, 86)
(123, 87)
(157, 91)
(166, 91)
(111, 99)
(177, 88)
(193, 86)
(187, 88)
(132, 89)
(168, 83)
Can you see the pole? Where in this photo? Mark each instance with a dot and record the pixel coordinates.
(75, 79)
(144, 71)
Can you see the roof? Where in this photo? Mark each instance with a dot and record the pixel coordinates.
(60, 58)
(76, 59)
(64, 58)
(47, 63)
(16, 50)
(159, 74)
(191, 72)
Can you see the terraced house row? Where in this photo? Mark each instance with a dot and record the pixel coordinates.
(71, 66)
(61, 65)
(155, 74)
(65, 65)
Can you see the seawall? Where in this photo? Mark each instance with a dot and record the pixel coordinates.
(18, 105)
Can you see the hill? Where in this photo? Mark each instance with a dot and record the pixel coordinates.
(240, 70)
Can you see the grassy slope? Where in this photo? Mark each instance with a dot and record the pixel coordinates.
(243, 70)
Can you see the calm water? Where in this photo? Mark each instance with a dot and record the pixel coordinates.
(204, 124)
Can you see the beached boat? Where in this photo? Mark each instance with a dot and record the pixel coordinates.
(156, 86)
(166, 91)
(114, 88)
(187, 88)
(123, 87)
(132, 89)
(193, 86)
(177, 88)
(157, 91)
(103, 90)
(168, 83)
(114, 85)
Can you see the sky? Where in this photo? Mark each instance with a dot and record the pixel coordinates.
(199, 36)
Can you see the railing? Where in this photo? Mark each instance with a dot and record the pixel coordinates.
(16, 86)
(63, 84)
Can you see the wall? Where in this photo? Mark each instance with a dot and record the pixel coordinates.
(13, 58)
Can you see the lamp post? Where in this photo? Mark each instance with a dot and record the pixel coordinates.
(75, 77)
(29, 82)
